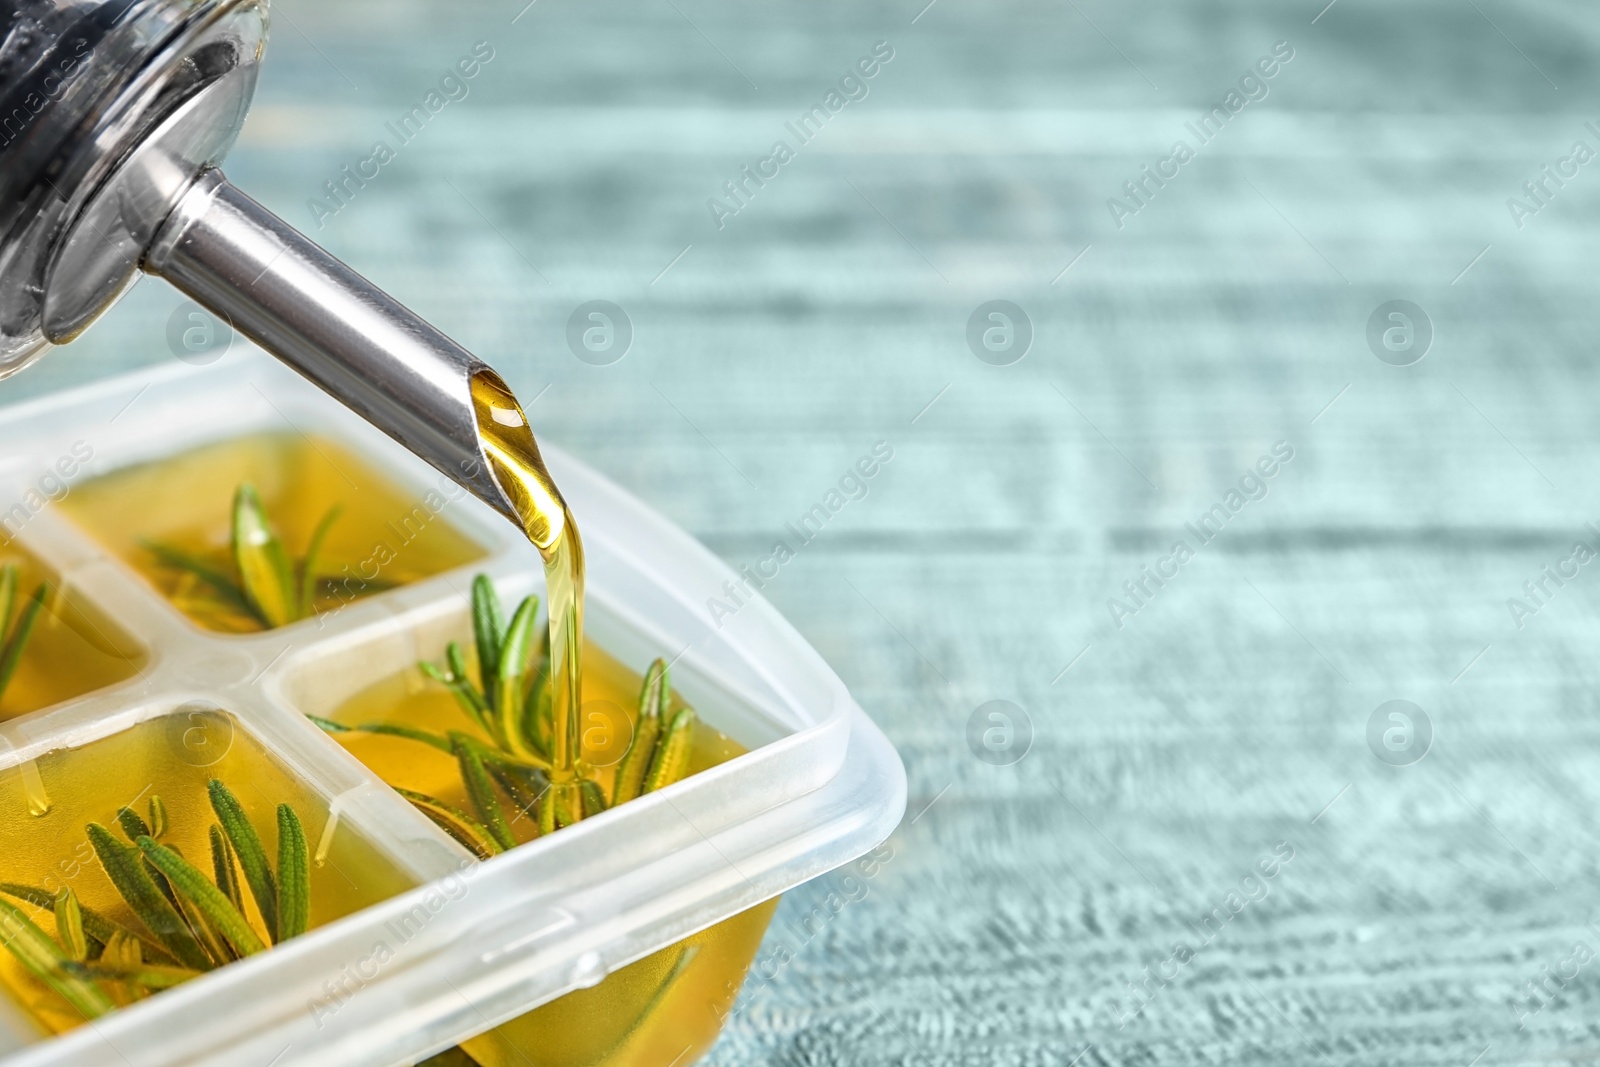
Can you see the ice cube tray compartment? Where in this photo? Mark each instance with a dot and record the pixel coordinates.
(47, 802)
(75, 647)
(819, 786)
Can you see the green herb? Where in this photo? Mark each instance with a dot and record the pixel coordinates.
(294, 873)
(472, 834)
(195, 887)
(196, 920)
(152, 908)
(259, 579)
(508, 699)
(69, 925)
(652, 705)
(16, 630)
(672, 754)
(247, 846)
(34, 949)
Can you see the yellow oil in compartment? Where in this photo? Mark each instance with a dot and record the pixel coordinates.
(385, 535)
(662, 1011)
(666, 1008)
(74, 648)
(172, 756)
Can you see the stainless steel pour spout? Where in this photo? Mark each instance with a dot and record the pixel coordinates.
(114, 115)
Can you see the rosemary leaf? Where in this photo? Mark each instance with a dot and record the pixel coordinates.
(472, 701)
(594, 801)
(456, 662)
(149, 975)
(34, 950)
(124, 867)
(308, 566)
(672, 754)
(124, 950)
(9, 577)
(653, 697)
(69, 925)
(518, 785)
(161, 883)
(539, 715)
(386, 728)
(247, 847)
(124, 953)
(481, 792)
(294, 876)
(221, 583)
(471, 834)
(158, 817)
(631, 772)
(488, 626)
(208, 898)
(264, 572)
(568, 797)
(95, 926)
(656, 692)
(21, 630)
(489, 754)
(132, 825)
(511, 679)
(223, 869)
(547, 811)
(205, 931)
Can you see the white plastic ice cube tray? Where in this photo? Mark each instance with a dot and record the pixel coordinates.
(820, 786)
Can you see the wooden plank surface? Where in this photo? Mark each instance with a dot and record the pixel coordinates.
(1230, 713)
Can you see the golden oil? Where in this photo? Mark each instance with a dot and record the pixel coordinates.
(74, 649)
(384, 536)
(172, 757)
(662, 1011)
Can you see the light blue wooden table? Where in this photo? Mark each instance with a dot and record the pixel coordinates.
(1222, 725)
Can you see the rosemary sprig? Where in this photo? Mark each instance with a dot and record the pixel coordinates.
(259, 579)
(509, 702)
(196, 921)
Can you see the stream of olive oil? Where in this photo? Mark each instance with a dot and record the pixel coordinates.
(520, 472)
